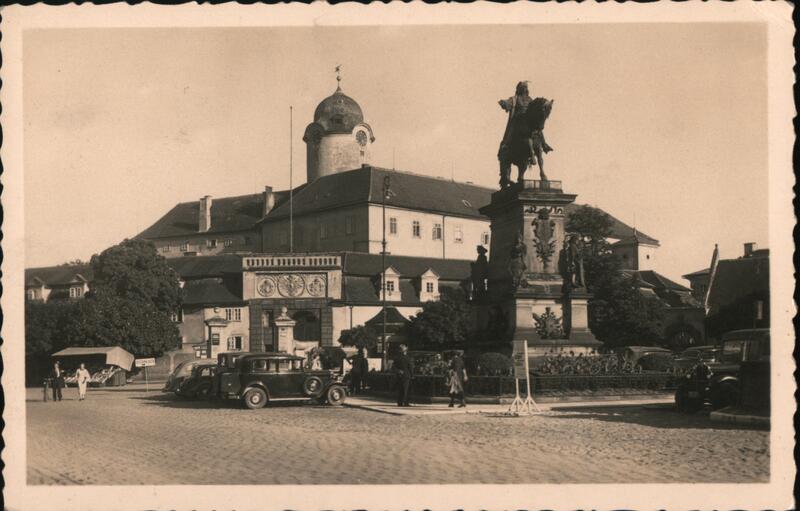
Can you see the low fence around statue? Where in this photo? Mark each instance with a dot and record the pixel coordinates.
(500, 386)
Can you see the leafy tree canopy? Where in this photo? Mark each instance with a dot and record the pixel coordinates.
(443, 324)
(360, 337)
(133, 270)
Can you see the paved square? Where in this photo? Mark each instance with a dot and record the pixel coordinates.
(127, 436)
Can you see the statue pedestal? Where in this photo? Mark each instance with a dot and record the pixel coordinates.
(284, 332)
(525, 269)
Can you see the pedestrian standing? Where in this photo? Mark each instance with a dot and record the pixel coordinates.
(457, 377)
(83, 377)
(404, 368)
(359, 371)
(57, 375)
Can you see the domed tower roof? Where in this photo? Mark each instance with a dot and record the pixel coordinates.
(338, 113)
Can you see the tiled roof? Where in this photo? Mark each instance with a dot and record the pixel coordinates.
(393, 317)
(738, 278)
(652, 283)
(208, 291)
(363, 264)
(698, 273)
(58, 275)
(661, 281)
(228, 214)
(194, 267)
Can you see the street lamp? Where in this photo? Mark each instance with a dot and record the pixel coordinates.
(386, 191)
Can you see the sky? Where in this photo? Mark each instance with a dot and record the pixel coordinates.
(662, 125)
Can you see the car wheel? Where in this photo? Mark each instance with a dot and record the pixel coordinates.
(313, 386)
(336, 395)
(255, 398)
(726, 394)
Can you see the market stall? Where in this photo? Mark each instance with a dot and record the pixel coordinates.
(108, 366)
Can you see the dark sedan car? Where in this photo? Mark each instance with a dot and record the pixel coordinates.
(199, 383)
(182, 371)
(260, 378)
(690, 357)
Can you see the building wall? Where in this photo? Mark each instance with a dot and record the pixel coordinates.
(403, 242)
(247, 241)
(336, 153)
(636, 257)
(336, 230)
(193, 329)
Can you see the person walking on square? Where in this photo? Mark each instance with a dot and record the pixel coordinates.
(457, 377)
(404, 368)
(83, 377)
(57, 375)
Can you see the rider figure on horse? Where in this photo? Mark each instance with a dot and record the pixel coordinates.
(523, 141)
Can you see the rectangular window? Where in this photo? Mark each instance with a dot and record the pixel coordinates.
(484, 238)
(177, 317)
(415, 229)
(184, 246)
(211, 243)
(75, 292)
(165, 248)
(437, 231)
(233, 314)
(458, 234)
(390, 285)
(235, 343)
(228, 242)
(349, 224)
(215, 339)
(393, 226)
(429, 287)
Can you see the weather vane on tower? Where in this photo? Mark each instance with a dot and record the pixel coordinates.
(338, 76)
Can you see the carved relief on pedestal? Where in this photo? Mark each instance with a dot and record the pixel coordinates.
(544, 230)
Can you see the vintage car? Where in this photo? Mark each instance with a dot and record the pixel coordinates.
(199, 383)
(224, 377)
(260, 378)
(718, 382)
(182, 371)
(690, 357)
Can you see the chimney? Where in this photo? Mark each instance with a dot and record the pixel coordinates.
(204, 217)
(269, 200)
(749, 248)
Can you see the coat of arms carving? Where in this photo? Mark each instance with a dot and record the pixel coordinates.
(543, 231)
(291, 285)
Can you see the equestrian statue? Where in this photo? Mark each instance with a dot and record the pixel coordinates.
(523, 142)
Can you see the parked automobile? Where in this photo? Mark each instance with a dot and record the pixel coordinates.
(718, 382)
(199, 383)
(634, 353)
(690, 357)
(224, 377)
(183, 370)
(259, 378)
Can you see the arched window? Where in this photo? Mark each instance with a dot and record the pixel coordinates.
(307, 326)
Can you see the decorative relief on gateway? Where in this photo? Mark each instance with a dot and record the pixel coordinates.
(266, 287)
(291, 285)
(316, 286)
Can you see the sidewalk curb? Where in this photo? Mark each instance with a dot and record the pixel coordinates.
(732, 418)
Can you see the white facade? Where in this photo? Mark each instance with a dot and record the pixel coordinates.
(422, 234)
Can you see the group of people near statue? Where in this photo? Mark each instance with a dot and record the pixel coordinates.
(58, 379)
(571, 364)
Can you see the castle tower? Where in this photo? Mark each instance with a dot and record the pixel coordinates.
(338, 139)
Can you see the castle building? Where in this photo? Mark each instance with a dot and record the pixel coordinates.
(241, 260)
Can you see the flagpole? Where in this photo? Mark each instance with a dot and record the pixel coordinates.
(291, 186)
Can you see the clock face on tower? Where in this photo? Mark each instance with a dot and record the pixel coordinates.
(361, 138)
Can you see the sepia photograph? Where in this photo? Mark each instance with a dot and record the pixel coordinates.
(333, 257)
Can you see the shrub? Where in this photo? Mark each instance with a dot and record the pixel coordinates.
(494, 364)
(662, 362)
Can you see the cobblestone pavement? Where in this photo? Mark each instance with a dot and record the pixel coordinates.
(127, 436)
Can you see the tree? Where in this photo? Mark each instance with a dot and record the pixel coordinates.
(360, 337)
(44, 335)
(129, 303)
(444, 324)
(619, 315)
(133, 270)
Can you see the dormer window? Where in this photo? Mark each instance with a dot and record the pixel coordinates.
(76, 291)
(390, 285)
(429, 286)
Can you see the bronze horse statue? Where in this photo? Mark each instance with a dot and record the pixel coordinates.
(523, 144)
